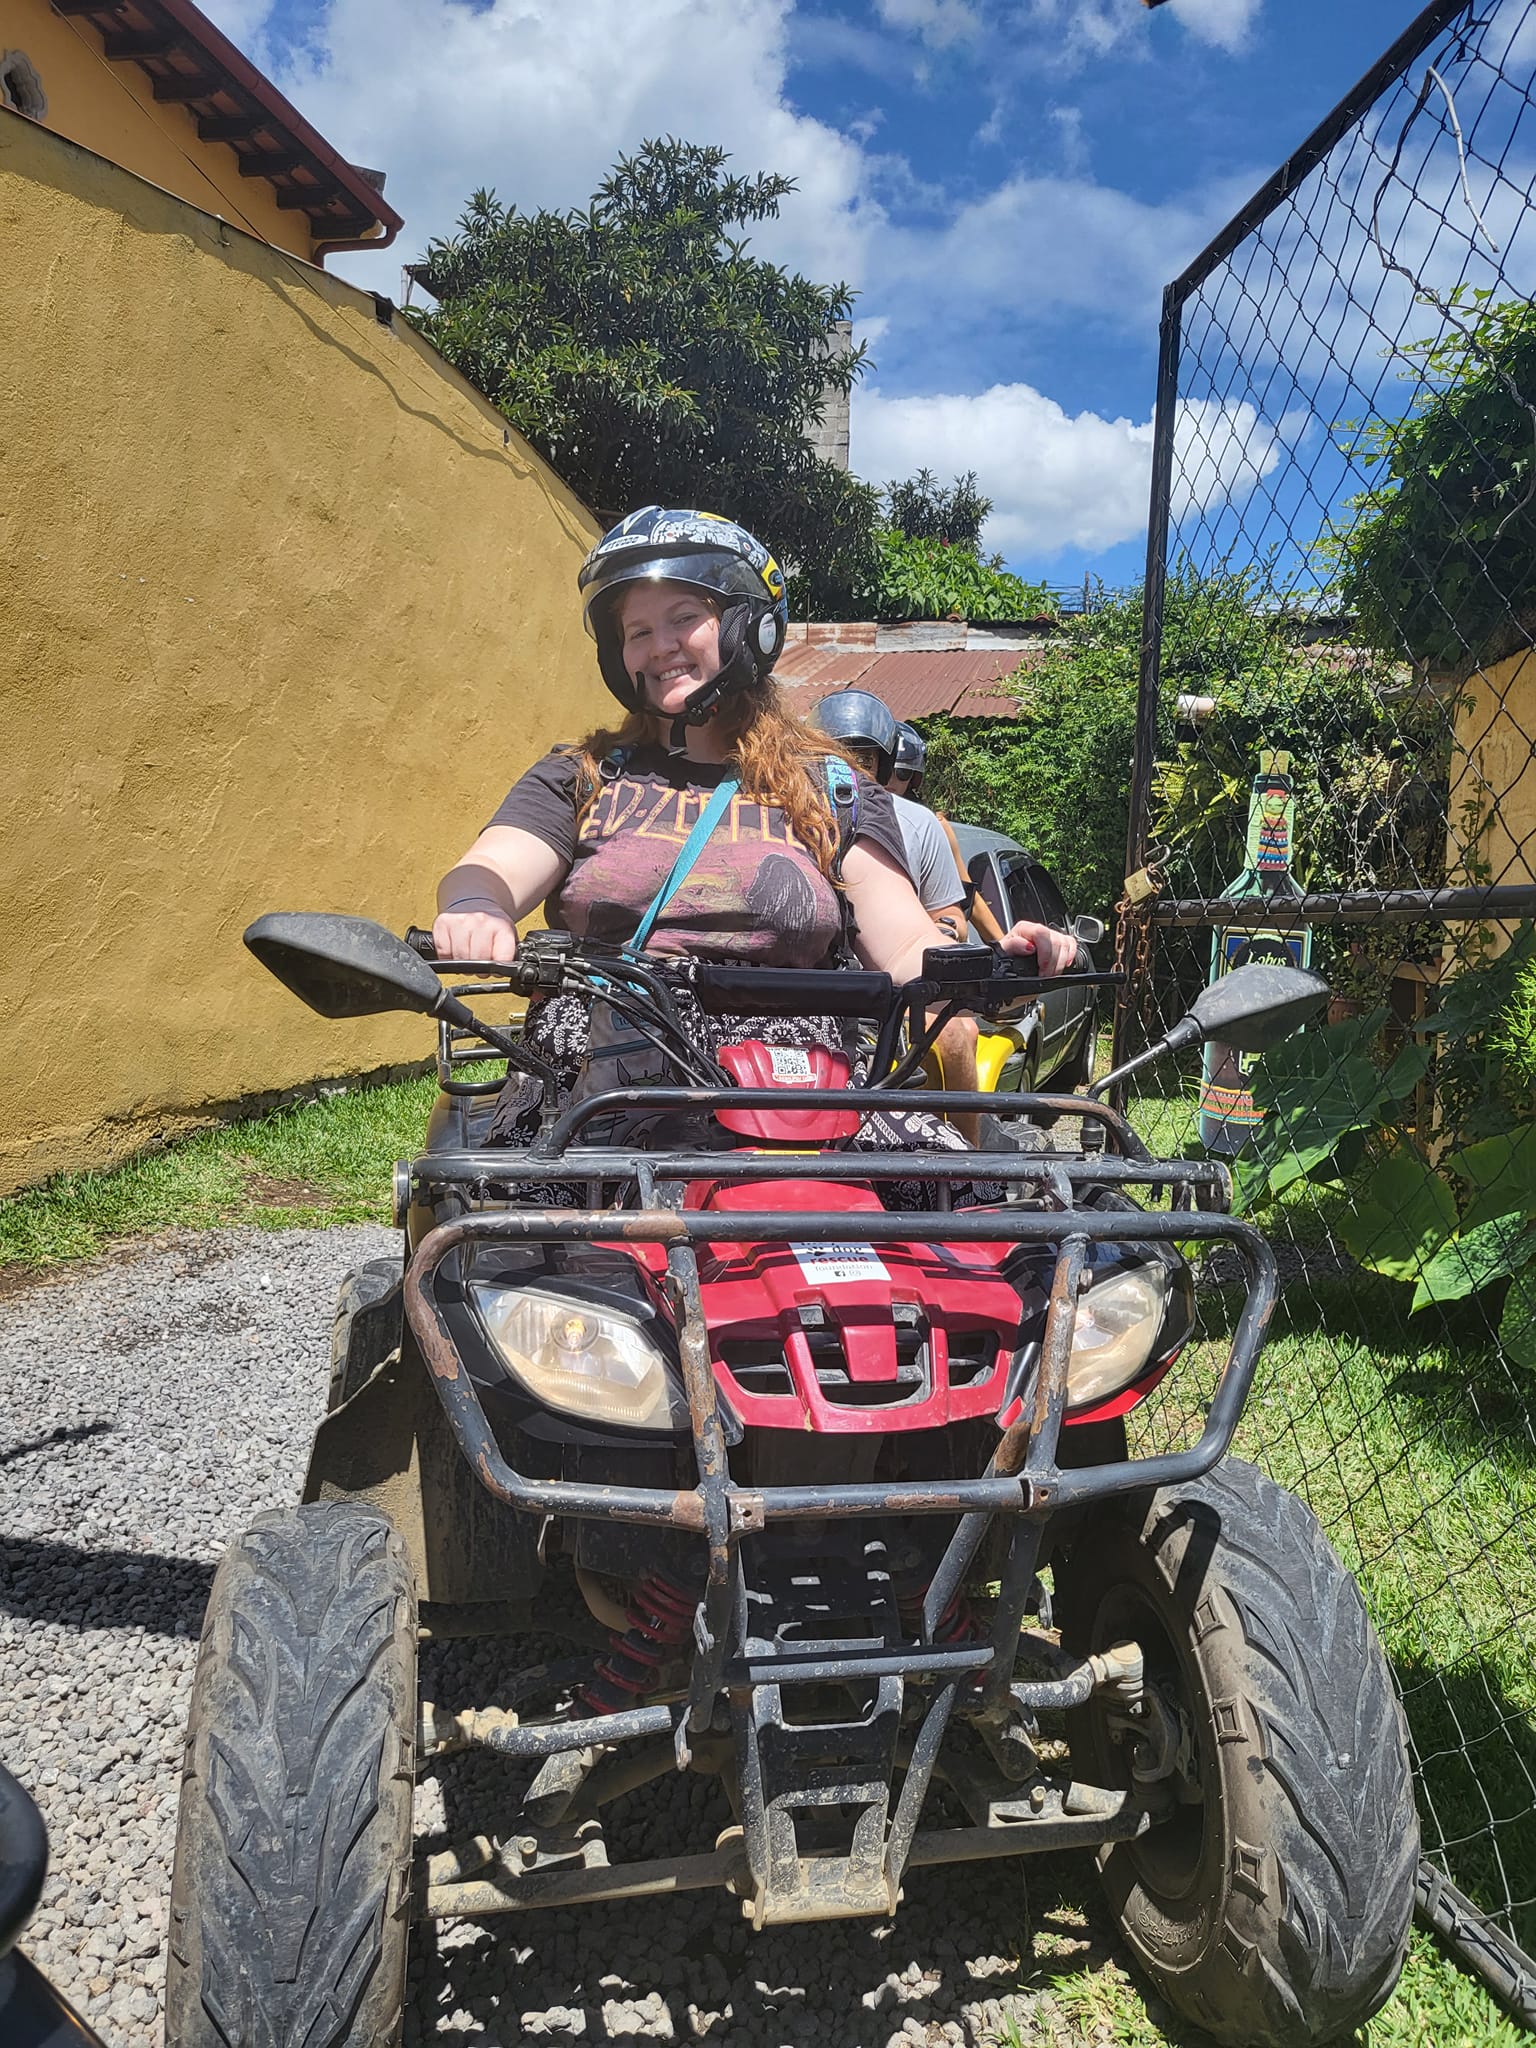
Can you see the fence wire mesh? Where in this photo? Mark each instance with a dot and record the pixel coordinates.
(1335, 738)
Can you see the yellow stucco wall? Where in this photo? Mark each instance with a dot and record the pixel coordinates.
(283, 610)
(111, 109)
(1493, 777)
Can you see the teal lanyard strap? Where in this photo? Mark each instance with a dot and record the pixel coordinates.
(688, 853)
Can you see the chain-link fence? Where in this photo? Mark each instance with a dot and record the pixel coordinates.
(1334, 762)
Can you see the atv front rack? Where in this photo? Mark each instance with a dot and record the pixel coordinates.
(1023, 1480)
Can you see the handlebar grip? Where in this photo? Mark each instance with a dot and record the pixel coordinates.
(789, 992)
(421, 941)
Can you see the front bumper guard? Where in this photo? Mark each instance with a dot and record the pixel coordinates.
(1023, 1480)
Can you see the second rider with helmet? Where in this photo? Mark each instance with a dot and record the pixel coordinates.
(804, 865)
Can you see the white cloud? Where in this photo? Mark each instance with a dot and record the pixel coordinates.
(1226, 23)
(938, 22)
(1073, 33)
(537, 99)
(1221, 450)
(1055, 481)
(241, 20)
(1036, 246)
(1059, 481)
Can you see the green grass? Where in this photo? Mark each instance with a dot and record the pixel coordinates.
(316, 1162)
(1408, 1440)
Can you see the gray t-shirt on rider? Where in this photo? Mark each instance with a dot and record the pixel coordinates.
(929, 859)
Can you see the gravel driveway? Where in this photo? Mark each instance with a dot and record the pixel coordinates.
(152, 1404)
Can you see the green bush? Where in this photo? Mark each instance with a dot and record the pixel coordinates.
(1455, 1217)
(1369, 772)
(939, 579)
(1439, 562)
(1053, 775)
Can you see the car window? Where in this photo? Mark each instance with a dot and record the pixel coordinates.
(983, 872)
(1032, 894)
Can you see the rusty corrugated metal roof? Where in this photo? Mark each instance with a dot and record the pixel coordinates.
(914, 682)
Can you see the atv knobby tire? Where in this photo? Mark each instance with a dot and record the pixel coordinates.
(360, 1341)
(291, 1897)
(1273, 1908)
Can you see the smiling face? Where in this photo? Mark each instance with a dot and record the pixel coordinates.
(670, 636)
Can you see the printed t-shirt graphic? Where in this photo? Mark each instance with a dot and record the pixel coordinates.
(754, 893)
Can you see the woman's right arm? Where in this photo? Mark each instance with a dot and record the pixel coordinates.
(505, 874)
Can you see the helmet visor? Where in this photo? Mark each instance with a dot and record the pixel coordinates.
(719, 578)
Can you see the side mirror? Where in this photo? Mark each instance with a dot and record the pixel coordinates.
(343, 966)
(1251, 1009)
(1254, 1008)
(1088, 931)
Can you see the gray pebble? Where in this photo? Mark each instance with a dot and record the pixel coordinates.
(153, 1403)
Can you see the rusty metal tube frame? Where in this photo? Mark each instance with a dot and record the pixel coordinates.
(528, 1891)
(940, 1100)
(750, 1509)
(474, 1170)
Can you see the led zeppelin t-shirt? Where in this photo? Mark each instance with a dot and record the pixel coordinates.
(754, 894)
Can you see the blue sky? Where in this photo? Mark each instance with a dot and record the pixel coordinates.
(1007, 185)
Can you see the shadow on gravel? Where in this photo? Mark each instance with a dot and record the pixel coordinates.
(70, 1433)
(73, 1588)
(687, 1966)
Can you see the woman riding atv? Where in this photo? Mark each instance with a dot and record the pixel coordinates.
(713, 823)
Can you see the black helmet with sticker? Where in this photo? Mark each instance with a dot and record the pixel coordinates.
(707, 553)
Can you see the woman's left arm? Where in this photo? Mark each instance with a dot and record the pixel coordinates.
(894, 930)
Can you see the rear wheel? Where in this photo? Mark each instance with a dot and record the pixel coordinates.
(290, 1902)
(1273, 1908)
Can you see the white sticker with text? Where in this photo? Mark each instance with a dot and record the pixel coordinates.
(827, 1265)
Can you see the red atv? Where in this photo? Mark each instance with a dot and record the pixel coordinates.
(847, 1488)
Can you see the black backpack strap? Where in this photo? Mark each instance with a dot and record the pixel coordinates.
(613, 764)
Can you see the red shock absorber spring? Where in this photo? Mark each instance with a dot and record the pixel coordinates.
(957, 1624)
(660, 1622)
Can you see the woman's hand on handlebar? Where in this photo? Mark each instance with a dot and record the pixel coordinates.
(1052, 952)
(474, 935)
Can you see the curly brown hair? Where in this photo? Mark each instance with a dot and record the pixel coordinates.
(772, 752)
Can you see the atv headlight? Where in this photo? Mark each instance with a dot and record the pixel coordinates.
(1117, 1324)
(582, 1360)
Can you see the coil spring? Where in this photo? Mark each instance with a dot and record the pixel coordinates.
(660, 1622)
(957, 1624)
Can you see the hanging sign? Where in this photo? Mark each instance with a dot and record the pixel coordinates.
(1227, 1112)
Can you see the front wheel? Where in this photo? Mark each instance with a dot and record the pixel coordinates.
(1273, 1907)
(291, 1896)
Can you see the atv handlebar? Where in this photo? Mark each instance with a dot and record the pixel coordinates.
(789, 991)
(968, 977)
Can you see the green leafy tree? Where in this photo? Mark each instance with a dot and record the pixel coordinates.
(651, 359)
(924, 509)
(1440, 562)
(1369, 774)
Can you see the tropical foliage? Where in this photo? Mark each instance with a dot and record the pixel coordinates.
(1447, 1204)
(1440, 561)
(940, 579)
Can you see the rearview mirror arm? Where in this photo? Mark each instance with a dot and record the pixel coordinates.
(462, 1018)
(1185, 1033)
